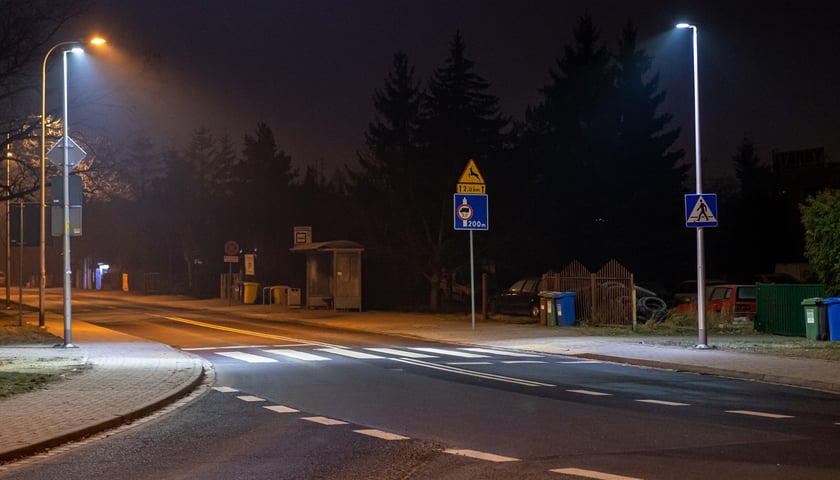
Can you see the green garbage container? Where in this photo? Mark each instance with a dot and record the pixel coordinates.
(816, 318)
(543, 313)
(551, 310)
(249, 294)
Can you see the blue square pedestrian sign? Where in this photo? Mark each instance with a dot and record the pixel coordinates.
(471, 212)
(701, 210)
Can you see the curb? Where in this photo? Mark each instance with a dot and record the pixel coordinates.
(185, 389)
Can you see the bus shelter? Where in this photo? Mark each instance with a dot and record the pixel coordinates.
(333, 274)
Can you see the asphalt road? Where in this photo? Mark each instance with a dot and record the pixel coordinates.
(294, 401)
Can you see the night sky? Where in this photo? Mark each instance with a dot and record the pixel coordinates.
(308, 68)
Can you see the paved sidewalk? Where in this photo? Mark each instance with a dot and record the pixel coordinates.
(125, 379)
(130, 377)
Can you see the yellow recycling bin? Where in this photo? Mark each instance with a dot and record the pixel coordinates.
(250, 293)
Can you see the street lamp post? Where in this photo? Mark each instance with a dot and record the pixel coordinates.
(42, 282)
(702, 339)
(76, 47)
(68, 273)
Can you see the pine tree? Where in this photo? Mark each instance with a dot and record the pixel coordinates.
(647, 168)
(571, 136)
(460, 121)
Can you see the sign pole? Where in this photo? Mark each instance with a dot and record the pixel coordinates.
(472, 280)
(471, 213)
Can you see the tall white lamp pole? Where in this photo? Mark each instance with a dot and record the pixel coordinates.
(702, 339)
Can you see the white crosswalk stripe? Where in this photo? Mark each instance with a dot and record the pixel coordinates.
(297, 355)
(362, 353)
(349, 353)
(453, 353)
(501, 352)
(401, 353)
(247, 357)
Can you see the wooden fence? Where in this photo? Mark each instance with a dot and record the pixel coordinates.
(602, 298)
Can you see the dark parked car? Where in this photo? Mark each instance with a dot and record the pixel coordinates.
(522, 298)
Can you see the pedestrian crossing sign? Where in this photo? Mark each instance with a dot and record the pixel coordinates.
(701, 210)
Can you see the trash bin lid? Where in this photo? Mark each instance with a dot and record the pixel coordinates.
(567, 294)
(548, 294)
(831, 300)
(808, 302)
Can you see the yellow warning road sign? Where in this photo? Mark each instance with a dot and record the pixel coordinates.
(471, 181)
(471, 174)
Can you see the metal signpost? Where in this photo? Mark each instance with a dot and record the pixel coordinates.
(231, 257)
(471, 213)
(701, 212)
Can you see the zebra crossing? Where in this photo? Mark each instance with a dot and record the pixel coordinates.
(315, 353)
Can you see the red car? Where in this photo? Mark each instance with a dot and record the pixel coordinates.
(738, 300)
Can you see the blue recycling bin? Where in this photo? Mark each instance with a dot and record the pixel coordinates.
(833, 306)
(565, 307)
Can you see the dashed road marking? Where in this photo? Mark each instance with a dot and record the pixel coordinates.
(590, 392)
(225, 389)
(324, 420)
(579, 472)
(247, 357)
(281, 409)
(490, 457)
(469, 363)
(523, 361)
(381, 434)
(666, 403)
(250, 398)
(758, 414)
(297, 355)
(349, 353)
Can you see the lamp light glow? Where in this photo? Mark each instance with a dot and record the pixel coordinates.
(683, 25)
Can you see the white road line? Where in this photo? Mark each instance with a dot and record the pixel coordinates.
(590, 392)
(592, 474)
(247, 357)
(281, 409)
(349, 353)
(324, 420)
(758, 414)
(577, 362)
(250, 398)
(453, 353)
(381, 434)
(471, 373)
(225, 389)
(480, 455)
(523, 361)
(500, 352)
(245, 332)
(297, 355)
(401, 353)
(469, 363)
(667, 404)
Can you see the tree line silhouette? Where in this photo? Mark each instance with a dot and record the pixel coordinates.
(589, 173)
